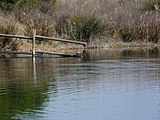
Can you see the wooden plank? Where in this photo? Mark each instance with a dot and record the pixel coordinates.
(15, 52)
(59, 54)
(15, 36)
(37, 37)
(41, 53)
(59, 40)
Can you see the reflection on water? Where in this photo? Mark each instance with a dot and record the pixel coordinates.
(19, 92)
(103, 85)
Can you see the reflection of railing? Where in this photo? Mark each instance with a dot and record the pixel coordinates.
(36, 37)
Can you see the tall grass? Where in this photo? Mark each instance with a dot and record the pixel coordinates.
(85, 27)
(42, 23)
(115, 20)
(8, 26)
(42, 5)
(150, 5)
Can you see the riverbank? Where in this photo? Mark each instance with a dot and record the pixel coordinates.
(72, 49)
(123, 23)
(99, 44)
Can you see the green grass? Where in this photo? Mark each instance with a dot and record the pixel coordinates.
(85, 27)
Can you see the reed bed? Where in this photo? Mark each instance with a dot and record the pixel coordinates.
(8, 25)
(126, 20)
(98, 22)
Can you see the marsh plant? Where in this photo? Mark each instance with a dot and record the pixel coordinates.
(9, 26)
(43, 5)
(128, 34)
(87, 20)
(153, 32)
(43, 23)
(150, 5)
(85, 27)
(61, 24)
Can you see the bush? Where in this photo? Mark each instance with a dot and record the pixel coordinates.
(153, 34)
(8, 26)
(9, 4)
(128, 34)
(61, 24)
(85, 27)
(150, 5)
(43, 24)
(43, 5)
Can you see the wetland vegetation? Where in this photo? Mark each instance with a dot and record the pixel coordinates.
(100, 23)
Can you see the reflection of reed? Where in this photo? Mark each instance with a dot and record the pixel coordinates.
(20, 87)
(25, 71)
(116, 54)
(107, 70)
(114, 69)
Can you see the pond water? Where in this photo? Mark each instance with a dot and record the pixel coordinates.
(103, 85)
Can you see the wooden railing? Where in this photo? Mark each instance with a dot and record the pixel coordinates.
(37, 37)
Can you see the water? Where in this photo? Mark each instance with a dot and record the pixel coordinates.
(103, 85)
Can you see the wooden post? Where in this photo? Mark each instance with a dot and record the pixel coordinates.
(33, 42)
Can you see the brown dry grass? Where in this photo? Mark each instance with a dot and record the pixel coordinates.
(127, 25)
(124, 18)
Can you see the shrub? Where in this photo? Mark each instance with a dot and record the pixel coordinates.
(61, 24)
(8, 26)
(148, 33)
(46, 6)
(153, 34)
(128, 34)
(43, 24)
(9, 4)
(85, 27)
(42, 5)
(150, 5)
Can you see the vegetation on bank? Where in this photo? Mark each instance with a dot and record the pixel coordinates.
(85, 27)
(42, 5)
(111, 21)
(150, 5)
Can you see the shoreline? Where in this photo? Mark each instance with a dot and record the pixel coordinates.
(70, 48)
(123, 26)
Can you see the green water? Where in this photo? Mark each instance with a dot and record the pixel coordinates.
(103, 85)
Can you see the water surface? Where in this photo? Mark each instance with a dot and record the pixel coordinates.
(103, 85)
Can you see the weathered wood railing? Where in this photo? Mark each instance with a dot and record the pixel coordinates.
(37, 37)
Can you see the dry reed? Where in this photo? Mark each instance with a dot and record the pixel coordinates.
(8, 26)
(125, 21)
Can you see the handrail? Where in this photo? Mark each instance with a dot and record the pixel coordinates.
(38, 37)
(16, 36)
(60, 40)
